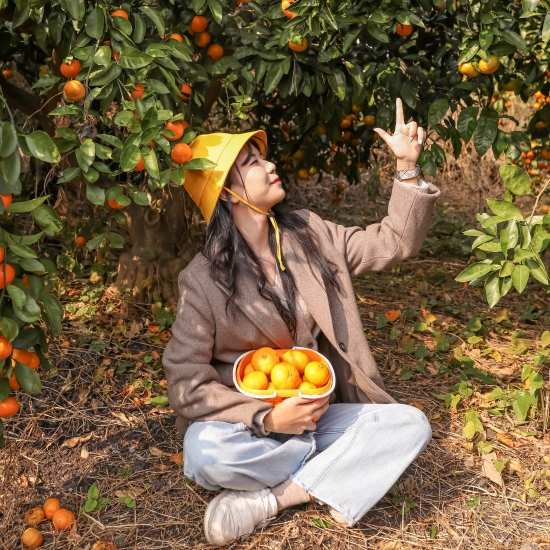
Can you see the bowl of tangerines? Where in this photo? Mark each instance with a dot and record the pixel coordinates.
(276, 374)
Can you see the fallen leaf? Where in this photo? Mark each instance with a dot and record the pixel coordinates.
(135, 329)
(516, 465)
(488, 469)
(83, 392)
(84, 454)
(104, 545)
(153, 328)
(155, 451)
(177, 459)
(67, 386)
(428, 317)
(155, 355)
(132, 493)
(496, 356)
(392, 315)
(418, 405)
(436, 419)
(468, 445)
(74, 441)
(121, 416)
(541, 539)
(506, 440)
(469, 462)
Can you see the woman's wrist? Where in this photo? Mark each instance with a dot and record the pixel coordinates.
(405, 165)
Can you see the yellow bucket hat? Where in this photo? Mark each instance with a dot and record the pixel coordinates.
(205, 186)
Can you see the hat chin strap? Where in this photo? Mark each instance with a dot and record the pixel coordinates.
(273, 221)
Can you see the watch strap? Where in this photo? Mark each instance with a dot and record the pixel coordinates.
(407, 174)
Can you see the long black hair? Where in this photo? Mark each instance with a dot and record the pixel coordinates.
(230, 254)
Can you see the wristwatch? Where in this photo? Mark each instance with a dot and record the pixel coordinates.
(401, 175)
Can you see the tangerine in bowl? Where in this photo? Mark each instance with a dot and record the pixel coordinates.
(276, 374)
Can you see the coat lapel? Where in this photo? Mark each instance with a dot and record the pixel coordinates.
(261, 312)
(311, 288)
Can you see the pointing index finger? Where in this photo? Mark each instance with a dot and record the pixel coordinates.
(399, 116)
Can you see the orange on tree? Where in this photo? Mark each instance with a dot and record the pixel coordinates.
(34, 516)
(341, 187)
(32, 538)
(297, 358)
(198, 23)
(536, 105)
(285, 5)
(140, 165)
(264, 359)
(369, 120)
(215, 51)
(545, 209)
(541, 124)
(467, 69)
(298, 47)
(403, 30)
(5, 348)
(299, 155)
(120, 13)
(70, 70)
(202, 39)
(9, 407)
(336, 198)
(81, 242)
(115, 55)
(303, 174)
(176, 36)
(12, 380)
(256, 380)
(50, 507)
(320, 130)
(7, 274)
(7, 74)
(316, 373)
(26, 281)
(63, 519)
(489, 67)
(285, 376)
(181, 153)
(28, 358)
(346, 136)
(538, 95)
(114, 204)
(138, 92)
(2, 254)
(185, 91)
(176, 128)
(345, 124)
(356, 108)
(74, 91)
(313, 171)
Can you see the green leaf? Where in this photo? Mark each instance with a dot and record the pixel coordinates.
(515, 179)
(53, 311)
(378, 32)
(76, 8)
(8, 139)
(95, 23)
(544, 339)
(111, 140)
(225, 64)
(131, 58)
(467, 122)
(21, 13)
(26, 206)
(5, 390)
(22, 250)
(96, 242)
(337, 81)
(200, 164)
(160, 400)
(546, 28)
(129, 158)
(486, 131)
(106, 76)
(504, 209)
(475, 271)
(155, 17)
(437, 111)
(215, 10)
(157, 86)
(87, 150)
(103, 56)
(17, 295)
(538, 271)
(42, 147)
(11, 168)
(95, 194)
(514, 39)
(522, 403)
(492, 290)
(116, 240)
(47, 219)
(10, 329)
(273, 77)
(150, 160)
(28, 379)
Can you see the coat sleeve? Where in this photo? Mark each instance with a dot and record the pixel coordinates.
(397, 237)
(194, 388)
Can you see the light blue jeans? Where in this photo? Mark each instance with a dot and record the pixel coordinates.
(361, 452)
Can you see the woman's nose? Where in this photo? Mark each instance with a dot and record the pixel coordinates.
(270, 167)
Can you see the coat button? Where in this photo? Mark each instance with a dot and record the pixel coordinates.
(343, 347)
(310, 345)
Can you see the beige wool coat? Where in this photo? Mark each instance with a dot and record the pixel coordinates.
(206, 340)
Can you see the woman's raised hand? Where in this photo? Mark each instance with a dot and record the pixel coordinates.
(406, 142)
(295, 415)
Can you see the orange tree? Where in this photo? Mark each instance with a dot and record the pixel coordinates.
(105, 98)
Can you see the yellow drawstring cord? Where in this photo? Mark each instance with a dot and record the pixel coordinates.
(273, 221)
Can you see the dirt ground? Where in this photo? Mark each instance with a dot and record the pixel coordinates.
(93, 423)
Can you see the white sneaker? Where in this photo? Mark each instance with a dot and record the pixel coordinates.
(236, 514)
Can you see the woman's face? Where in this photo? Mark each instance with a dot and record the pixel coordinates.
(262, 187)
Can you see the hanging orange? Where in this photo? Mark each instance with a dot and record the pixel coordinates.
(119, 13)
(7, 274)
(74, 91)
(181, 153)
(5, 348)
(6, 201)
(302, 47)
(28, 358)
(140, 165)
(203, 39)
(9, 407)
(139, 89)
(403, 30)
(176, 128)
(70, 70)
(198, 23)
(185, 91)
(176, 36)
(215, 51)
(284, 6)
